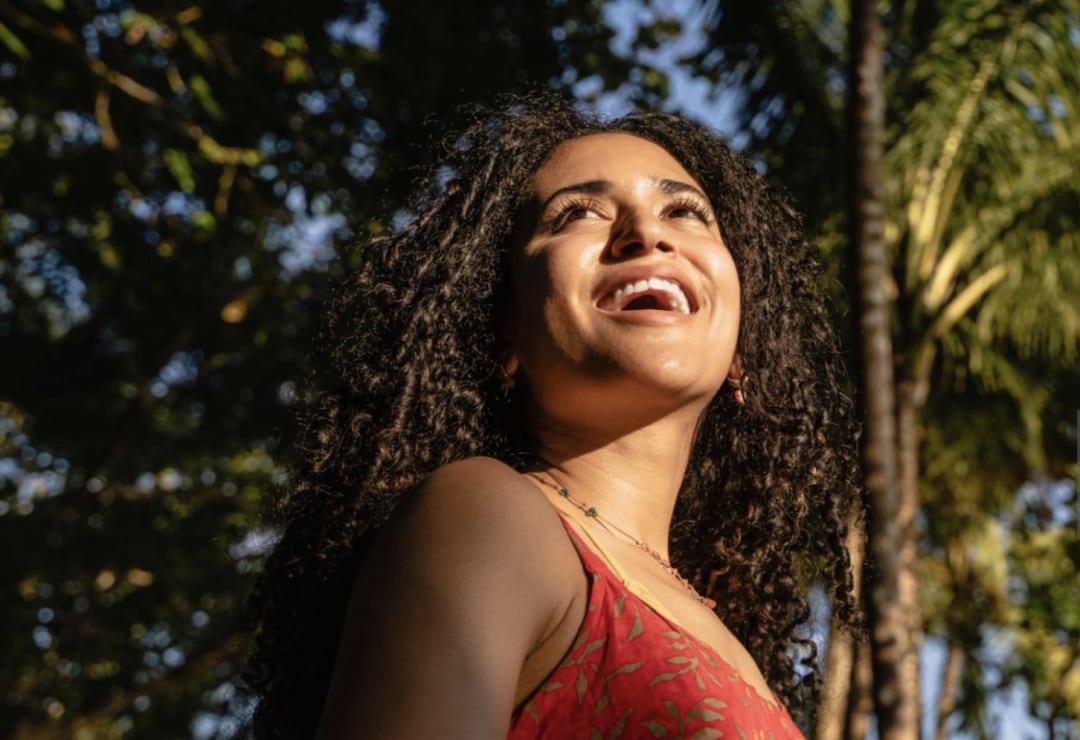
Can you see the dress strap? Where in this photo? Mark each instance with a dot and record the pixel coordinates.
(598, 554)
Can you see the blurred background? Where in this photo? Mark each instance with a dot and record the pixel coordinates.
(177, 178)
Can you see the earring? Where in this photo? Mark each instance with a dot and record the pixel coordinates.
(507, 370)
(506, 382)
(737, 384)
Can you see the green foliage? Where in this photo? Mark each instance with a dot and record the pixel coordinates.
(1045, 559)
(971, 242)
(173, 182)
(983, 222)
(787, 60)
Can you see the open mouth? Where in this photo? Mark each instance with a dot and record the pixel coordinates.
(653, 294)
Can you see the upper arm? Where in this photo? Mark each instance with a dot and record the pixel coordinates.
(452, 597)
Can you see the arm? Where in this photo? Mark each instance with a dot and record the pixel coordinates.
(458, 589)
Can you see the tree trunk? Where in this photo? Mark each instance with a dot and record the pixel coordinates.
(861, 699)
(950, 682)
(897, 709)
(911, 396)
(840, 660)
(839, 663)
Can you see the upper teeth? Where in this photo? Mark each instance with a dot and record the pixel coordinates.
(678, 298)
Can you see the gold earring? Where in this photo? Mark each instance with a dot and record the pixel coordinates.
(508, 370)
(737, 384)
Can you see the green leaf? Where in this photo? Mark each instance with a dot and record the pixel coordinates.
(180, 167)
(197, 44)
(201, 89)
(12, 42)
(657, 729)
(706, 733)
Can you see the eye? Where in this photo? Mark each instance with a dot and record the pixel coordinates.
(690, 208)
(574, 210)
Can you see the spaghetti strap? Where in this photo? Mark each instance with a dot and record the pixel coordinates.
(633, 672)
(595, 552)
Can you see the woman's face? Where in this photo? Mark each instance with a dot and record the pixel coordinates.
(622, 282)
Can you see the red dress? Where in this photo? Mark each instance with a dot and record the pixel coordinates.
(632, 673)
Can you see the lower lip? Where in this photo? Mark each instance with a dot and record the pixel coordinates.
(649, 317)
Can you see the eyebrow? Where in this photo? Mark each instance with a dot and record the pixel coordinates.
(598, 187)
(672, 187)
(591, 187)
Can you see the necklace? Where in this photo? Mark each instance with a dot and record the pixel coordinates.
(592, 513)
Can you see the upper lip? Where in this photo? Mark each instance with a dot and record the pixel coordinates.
(644, 272)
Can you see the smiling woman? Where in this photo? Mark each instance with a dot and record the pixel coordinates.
(609, 278)
(584, 449)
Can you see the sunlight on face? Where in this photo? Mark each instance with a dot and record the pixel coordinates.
(622, 280)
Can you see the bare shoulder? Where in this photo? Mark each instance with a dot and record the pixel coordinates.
(479, 477)
(472, 573)
(483, 489)
(477, 509)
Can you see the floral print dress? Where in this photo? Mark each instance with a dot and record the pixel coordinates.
(632, 673)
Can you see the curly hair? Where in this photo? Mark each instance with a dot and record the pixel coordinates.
(412, 385)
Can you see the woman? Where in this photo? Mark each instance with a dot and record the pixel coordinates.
(595, 346)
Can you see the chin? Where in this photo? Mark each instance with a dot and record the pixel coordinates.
(665, 380)
(665, 366)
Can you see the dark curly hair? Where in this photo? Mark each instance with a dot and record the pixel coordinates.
(412, 348)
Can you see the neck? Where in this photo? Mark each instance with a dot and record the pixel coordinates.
(632, 476)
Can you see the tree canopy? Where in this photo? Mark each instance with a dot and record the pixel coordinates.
(175, 182)
(180, 182)
(982, 225)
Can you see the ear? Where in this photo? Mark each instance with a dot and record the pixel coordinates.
(510, 363)
(736, 379)
(735, 372)
(508, 359)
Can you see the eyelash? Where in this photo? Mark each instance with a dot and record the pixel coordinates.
(562, 216)
(692, 205)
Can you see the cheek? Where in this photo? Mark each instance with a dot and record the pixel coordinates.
(721, 278)
(549, 277)
(549, 316)
(530, 298)
(532, 303)
(728, 275)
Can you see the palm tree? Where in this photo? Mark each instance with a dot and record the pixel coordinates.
(894, 657)
(980, 216)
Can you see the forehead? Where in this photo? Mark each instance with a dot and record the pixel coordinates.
(613, 157)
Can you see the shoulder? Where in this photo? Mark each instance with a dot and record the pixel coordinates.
(477, 525)
(476, 476)
(480, 497)
(458, 589)
(481, 491)
(480, 545)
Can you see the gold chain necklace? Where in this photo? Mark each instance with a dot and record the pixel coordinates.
(592, 513)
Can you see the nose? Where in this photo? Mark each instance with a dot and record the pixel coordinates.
(637, 233)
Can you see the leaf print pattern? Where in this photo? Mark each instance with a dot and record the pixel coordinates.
(630, 673)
